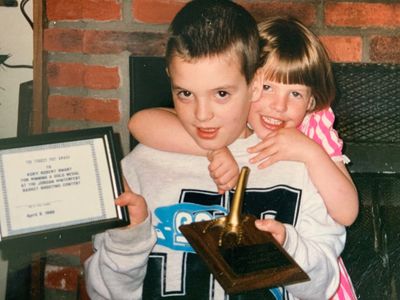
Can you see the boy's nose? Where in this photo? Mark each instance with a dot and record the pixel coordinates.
(203, 111)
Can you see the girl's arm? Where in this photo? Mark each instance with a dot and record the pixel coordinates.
(160, 128)
(335, 185)
(330, 178)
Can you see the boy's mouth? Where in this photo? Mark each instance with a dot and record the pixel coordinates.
(207, 133)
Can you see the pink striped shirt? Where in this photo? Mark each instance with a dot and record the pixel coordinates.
(319, 127)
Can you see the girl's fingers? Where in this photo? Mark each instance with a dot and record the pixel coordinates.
(259, 157)
(265, 143)
(266, 163)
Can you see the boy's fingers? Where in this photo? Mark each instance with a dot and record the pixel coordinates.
(214, 165)
(128, 199)
(268, 225)
(262, 224)
(276, 228)
(209, 155)
(136, 205)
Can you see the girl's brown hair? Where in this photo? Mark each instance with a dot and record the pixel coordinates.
(293, 54)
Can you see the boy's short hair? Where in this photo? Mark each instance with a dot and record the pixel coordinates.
(293, 54)
(204, 28)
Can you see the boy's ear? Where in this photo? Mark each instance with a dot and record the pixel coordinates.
(166, 71)
(257, 85)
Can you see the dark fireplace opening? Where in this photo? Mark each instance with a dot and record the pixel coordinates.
(367, 118)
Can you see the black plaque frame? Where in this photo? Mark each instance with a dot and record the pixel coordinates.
(59, 236)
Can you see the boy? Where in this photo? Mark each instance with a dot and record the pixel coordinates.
(212, 57)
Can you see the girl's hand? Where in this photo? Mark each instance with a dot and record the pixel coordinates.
(223, 169)
(283, 144)
(277, 229)
(137, 206)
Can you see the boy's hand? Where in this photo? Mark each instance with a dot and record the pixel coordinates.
(223, 169)
(137, 206)
(283, 144)
(276, 228)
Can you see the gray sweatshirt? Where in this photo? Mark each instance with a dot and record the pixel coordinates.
(178, 190)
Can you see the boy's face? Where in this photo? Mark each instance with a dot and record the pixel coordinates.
(212, 99)
(280, 106)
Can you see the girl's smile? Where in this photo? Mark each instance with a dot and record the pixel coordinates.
(280, 106)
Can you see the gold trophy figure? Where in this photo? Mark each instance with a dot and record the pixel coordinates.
(240, 256)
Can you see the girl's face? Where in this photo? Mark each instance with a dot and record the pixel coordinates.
(280, 106)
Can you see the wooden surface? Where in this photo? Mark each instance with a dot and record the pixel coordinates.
(205, 240)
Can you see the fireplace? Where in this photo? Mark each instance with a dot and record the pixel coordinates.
(367, 117)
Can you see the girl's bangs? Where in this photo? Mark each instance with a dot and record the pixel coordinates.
(285, 71)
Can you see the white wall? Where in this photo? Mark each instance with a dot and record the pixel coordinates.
(16, 39)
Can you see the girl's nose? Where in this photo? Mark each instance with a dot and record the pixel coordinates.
(279, 103)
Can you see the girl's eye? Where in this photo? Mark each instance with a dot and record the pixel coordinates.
(297, 94)
(266, 87)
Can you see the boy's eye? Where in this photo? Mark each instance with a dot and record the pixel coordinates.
(222, 94)
(184, 94)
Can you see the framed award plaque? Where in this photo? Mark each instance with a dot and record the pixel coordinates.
(58, 189)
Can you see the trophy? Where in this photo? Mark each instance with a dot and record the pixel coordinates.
(240, 256)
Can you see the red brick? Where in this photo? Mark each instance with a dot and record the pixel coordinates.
(155, 11)
(100, 10)
(63, 40)
(162, 11)
(65, 74)
(81, 108)
(53, 128)
(343, 48)
(61, 277)
(80, 75)
(385, 49)
(104, 42)
(306, 12)
(86, 250)
(64, 10)
(354, 14)
(83, 295)
(100, 77)
(74, 250)
(137, 43)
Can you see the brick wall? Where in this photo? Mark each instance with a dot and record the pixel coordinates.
(88, 44)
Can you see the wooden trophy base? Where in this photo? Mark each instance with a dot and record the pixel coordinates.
(244, 260)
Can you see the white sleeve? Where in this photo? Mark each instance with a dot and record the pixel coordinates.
(118, 267)
(315, 243)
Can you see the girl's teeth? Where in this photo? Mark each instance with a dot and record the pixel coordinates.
(272, 121)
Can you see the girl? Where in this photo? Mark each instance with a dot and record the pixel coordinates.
(293, 119)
